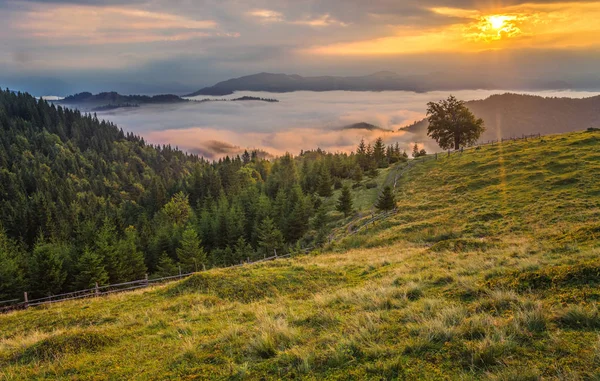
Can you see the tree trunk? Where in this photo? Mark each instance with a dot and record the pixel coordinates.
(456, 143)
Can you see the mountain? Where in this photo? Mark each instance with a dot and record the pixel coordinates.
(380, 81)
(363, 126)
(114, 99)
(510, 115)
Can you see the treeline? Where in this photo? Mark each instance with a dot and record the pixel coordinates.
(83, 202)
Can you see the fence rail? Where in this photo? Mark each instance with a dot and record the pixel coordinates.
(20, 304)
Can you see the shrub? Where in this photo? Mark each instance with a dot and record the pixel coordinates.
(371, 185)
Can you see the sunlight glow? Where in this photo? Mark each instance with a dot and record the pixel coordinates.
(538, 25)
(497, 21)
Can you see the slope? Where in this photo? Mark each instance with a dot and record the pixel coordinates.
(488, 271)
(509, 115)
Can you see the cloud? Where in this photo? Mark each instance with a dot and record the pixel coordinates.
(270, 16)
(79, 24)
(180, 46)
(265, 15)
(532, 26)
(300, 121)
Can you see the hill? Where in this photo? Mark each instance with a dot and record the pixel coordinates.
(488, 271)
(363, 126)
(380, 81)
(113, 100)
(82, 202)
(512, 115)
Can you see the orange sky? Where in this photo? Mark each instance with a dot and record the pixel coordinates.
(540, 26)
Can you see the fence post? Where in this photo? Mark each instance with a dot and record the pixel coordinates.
(146, 280)
(97, 290)
(26, 299)
(179, 271)
(203, 267)
(275, 250)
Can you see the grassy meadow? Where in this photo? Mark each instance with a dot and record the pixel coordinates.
(489, 270)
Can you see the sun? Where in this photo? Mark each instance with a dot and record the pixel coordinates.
(497, 21)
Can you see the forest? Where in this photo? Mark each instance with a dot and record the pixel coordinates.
(81, 201)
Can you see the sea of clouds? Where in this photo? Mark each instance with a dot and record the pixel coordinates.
(299, 121)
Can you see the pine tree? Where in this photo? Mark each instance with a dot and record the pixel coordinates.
(106, 249)
(357, 174)
(178, 211)
(246, 157)
(90, 270)
(166, 266)
(242, 250)
(386, 200)
(11, 275)
(320, 219)
(130, 257)
(344, 204)
(325, 182)
(379, 153)
(191, 255)
(46, 270)
(415, 151)
(269, 237)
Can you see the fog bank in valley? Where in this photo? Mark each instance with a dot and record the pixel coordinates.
(300, 121)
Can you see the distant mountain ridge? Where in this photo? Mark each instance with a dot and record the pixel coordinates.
(363, 126)
(380, 81)
(115, 98)
(511, 115)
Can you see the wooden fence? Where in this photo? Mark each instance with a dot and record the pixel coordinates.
(20, 304)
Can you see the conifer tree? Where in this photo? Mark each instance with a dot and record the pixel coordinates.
(130, 257)
(242, 250)
(325, 182)
(320, 219)
(46, 270)
(90, 270)
(357, 174)
(106, 249)
(379, 153)
(11, 274)
(191, 255)
(178, 210)
(344, 204)
(269, 237)
(415, 151)
(166, 266)
(386, 200)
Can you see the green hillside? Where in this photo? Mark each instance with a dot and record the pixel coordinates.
(489, 270)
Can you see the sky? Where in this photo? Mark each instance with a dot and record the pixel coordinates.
(58, 47)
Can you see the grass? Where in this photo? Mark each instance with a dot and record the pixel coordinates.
(488, 271)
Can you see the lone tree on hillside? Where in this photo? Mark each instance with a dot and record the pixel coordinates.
(386, 200)
(452, 124)
(345, 202)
